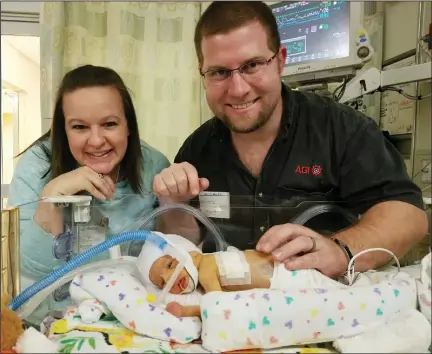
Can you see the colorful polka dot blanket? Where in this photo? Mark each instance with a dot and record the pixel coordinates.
(277, 318)
(118, 292)
(108, 335)
(262, 318)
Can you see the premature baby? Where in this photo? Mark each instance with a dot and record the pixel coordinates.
(220, 271)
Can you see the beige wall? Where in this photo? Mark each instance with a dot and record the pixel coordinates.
(7, 147)
(23, 75)
(400, 35)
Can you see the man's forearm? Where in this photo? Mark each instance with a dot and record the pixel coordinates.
(392, 225)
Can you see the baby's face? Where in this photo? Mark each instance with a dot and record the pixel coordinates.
(162, 270)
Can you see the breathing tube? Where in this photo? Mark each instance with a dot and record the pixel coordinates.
(210, 225)
(28, 307)
(61, 275)
(319, 209)
(75, 262)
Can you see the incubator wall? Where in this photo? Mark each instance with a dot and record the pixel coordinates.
(213, 222)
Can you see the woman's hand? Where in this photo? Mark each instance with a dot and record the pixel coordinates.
(81, 179)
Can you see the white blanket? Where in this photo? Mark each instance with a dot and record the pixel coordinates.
(108, 335)
(120, 293)
(264, 318)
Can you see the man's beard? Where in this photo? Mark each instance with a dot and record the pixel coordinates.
(263, 117)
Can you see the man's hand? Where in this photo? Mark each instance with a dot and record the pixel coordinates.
(299, 247)
(179, 183)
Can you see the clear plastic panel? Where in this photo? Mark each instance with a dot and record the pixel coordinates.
(242, 220)
(56, 230)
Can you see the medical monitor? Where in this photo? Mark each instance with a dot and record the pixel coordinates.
(321, 37)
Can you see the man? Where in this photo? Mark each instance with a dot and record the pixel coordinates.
(275, 151)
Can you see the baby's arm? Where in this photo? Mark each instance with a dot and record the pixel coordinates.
(178, 310)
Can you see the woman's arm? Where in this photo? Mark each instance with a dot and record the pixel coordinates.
(49, 218)
(24, 192)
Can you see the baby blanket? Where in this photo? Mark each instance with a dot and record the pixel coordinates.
(107, 335)
(71, 335)
(118, 292)
(276, 318)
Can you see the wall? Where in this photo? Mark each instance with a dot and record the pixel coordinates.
(400, 35)
(22, 6)
(400, 28)
(24, 75)
(7, 147)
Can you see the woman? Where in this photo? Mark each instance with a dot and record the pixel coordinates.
(93, 148)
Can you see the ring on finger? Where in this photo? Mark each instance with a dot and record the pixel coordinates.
(313, 244)
(101, 176)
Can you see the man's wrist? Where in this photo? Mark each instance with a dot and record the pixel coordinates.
(344, 247)
(346, 252)
(169, 200)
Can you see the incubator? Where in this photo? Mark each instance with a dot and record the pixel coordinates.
(95, 251)
(78, 223)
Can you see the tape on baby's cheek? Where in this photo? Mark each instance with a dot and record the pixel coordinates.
(233, 268)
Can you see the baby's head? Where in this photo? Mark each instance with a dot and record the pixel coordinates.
(162, 270)
(157, 266)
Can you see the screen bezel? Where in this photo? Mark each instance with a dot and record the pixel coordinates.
(356, 24)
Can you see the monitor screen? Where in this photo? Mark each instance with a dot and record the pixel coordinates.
(314, 31)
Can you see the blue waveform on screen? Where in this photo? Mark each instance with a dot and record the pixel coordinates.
(299, 18)
(296, 47)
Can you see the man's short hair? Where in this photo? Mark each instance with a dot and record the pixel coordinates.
(222, 17)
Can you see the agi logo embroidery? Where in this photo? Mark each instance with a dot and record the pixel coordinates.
(314, 170)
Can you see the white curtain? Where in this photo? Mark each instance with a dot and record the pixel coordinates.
(206, 112)
(149, 44)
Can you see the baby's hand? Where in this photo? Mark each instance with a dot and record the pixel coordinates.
(174, 308)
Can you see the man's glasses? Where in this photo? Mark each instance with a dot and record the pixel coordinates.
(252, 69)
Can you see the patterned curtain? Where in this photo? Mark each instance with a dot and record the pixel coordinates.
(149, 44)
(206, 112)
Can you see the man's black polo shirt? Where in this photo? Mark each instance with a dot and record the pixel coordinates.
(325, 152)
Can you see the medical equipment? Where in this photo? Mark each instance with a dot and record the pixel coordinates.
(233, 268)
(80, 205)
(324, 40)
(52, 277)
(319, 209)
(373, 80)
(257, 303)
(70, 242)
(143, 221)
(64, 245)
(28, 307)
